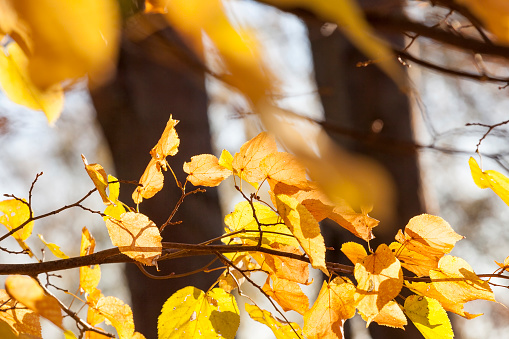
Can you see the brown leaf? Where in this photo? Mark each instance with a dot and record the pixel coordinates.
(204, 170)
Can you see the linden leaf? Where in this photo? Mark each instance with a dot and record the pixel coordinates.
(98, 175)
(281, 331)
(168, 143)
(359, 224)
(190, 313)
(116, 209)
(390, 315)
(226, 160)
(498, 182)
(429, 317)
(151, 181)
(305, 228)
(204, 170)
(413, 261)
(429, 290)
(72, 40)
(283, 267)
(455, 279)
(118, 314)
(53, 248)
(19, 88)
(379, 280)
(284, 167)
(19, 320)
(334, 304)
(246, 163)
(231, 277)
(287, 294)
(28, 292)
(15, 213)
(354, 251)
(428, 235)
(136, 236)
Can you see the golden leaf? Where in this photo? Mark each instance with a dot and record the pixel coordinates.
(494, 14)
(354, 251)
(98, 175)
(57, 252)
(204, 170)
(498, 182)
(413, 261)
(287, 294)
(390, 315)
(136, 236)
(151, 182)
(20, 320)
(118, 314)
(283, 267)
(15, 213)
(285, 168)
(168, 143)
(280, 330)
(429, 317)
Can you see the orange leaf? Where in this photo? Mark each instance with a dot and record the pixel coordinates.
(359, 224)
(246, 163)
(98, 175)
(151, 182)
(455, 279)
(428, 235)
(379, 280)
(283, 267)
(505, 265)
(287, 294)
(390, 315)
(335, 304)
(20, 320)
(136, 236)
(118, 314)
(28, 292)
(284, 167)
(413, 261)
(204, 170)
(354, 251)
(168, 143)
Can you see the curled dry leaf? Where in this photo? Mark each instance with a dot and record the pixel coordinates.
(204, 170)
(98, 175)
(136, 236)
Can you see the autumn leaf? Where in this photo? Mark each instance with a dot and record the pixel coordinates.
(285, 168)
(151, 181)
(191, 313)
(116, 209)
(505, 265)
(226, 160)
(493, 14)
(498, 182)
(98, 175)
(280, 330)
(429, 317)
(283, 267)
(428, 235)
(379, 280)
(19, 320)
(413, 261)
(287, 294)
(204, 170)
(354, 251)
(57, 252)
(15, 213)
(28, 292)
(168, 143)
(305, 228)
(334, 305)
(117, 314)
(19, 88)
(455, 279)
(390, 315)
(359, 224)
(136, 236)
(232, 278)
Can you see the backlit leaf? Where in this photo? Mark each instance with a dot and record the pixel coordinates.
(204, 170)
(390, 315)
(151, 181)
(498, 182)
(413, 261)
(359, 224)
(280, 330)
(379, 280)
(334, 305)
(168, 143)
(190, 313)
(284, 167)
(98, 175)
(53, 248)
(118, 314)
(429, 317)
(283, 267)
(116, 209)
(305, 228)
(505, 265)
(287, 294)
(226, 160)
(20, 320)
(136, 236)
(15, 213)
(18, 86)
(354, 251)
(28, 292)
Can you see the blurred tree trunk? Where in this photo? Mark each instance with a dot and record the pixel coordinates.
(357, 102)
(155, 78)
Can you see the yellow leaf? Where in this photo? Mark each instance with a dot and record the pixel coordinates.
(283, 267)
(334, 305)
(246, 163)
(313, 199)
(287, 294)
(494, 14)
(53, 248)
(118, 314)
(379, 280)
(280, 330)
(390, 315)
(505, 265)
(455, 279)
(71, 39)
(413, 261)
(98, 175)
(151, 181)
(226, 160)
(15, 213)
(116, 209)
(28, 292)
(69, 335)
(168, 143)
(498, 182)
(429, 317)
(284, 167)
(19, 88)
(428, 235)
(190, 313)
(136, 236)
(305, 228)
(19, 320)
(354, 251)
(204, 170)
(359, 224)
